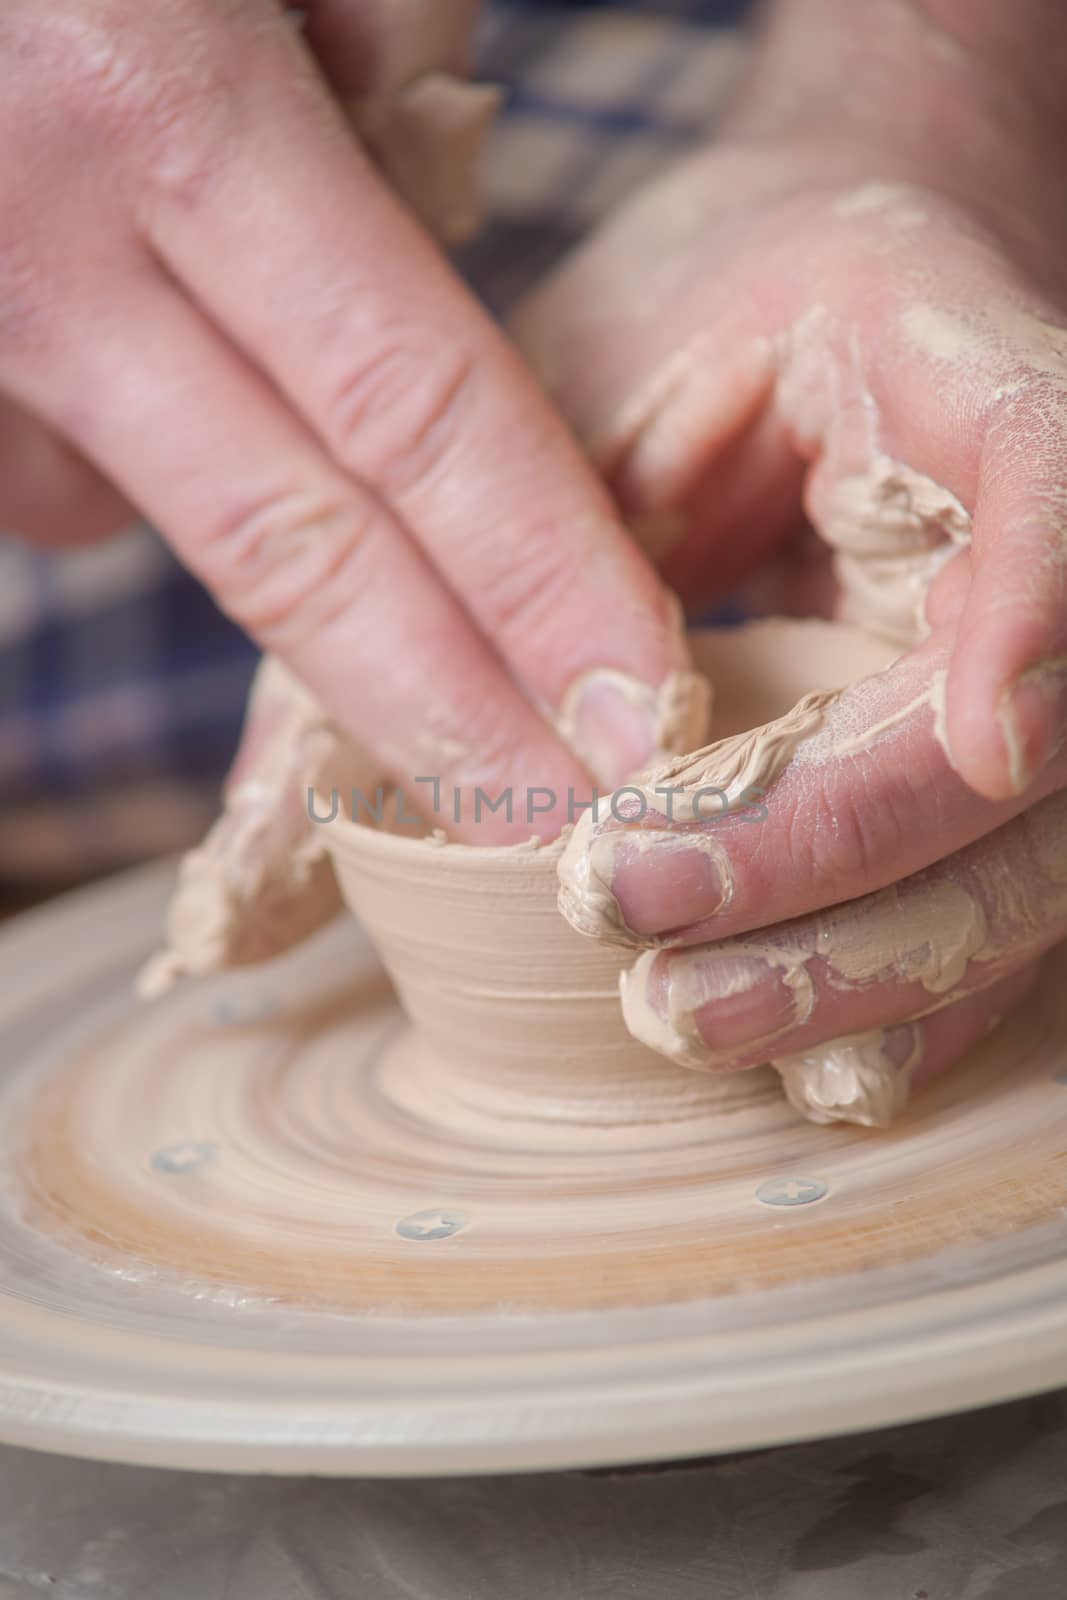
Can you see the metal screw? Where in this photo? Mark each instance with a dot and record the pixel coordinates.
(184, 1157)
(232, 1013)
(439, 1224)
(790, 1191)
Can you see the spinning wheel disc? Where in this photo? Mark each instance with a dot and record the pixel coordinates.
(237, 1231)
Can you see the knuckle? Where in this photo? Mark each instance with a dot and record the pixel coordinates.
(527, 595)
(184, 136)
(855, 837)
(396, 418)
(179, 124)
(151, 91)
(288, 566)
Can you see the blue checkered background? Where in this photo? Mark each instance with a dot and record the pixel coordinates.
(121, 684)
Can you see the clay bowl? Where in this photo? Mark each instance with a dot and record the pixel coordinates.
(513, 1012)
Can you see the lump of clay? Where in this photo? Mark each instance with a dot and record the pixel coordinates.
(261, 882)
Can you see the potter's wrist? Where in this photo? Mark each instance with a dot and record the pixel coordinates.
(956, 93)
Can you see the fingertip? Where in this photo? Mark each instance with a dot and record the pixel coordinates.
(1008, 665)
(999, 737)
(948, 1035)
(1027, 718)
(664, 881)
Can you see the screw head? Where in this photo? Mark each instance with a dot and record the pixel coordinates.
(231, 1012)
(440, 1223)
(184, 1157)
(788, 1191)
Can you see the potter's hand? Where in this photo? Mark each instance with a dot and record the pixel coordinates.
(854, 298)
(776, 945)
(841, 307)
(207, 292)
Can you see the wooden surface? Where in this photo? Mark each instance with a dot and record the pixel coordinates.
(966, 1508)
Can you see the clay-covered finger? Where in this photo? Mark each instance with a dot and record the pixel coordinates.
(844, 794)
(869, 1077)
(903, 952)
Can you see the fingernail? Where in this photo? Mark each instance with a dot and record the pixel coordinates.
(661, 881)
(715, 1010)
(1015, 717)
(618, 726)
(1027, 722)
(738, 1000)
(609, 720)
(626, 886)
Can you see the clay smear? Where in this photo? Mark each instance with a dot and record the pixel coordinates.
(859, 1078)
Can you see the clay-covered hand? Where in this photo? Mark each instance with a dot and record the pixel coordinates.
(774, 930)
(213, 302)
(852, 306)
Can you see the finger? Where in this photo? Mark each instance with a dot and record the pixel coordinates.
(965, 381)
(753, 484)
(309, 562)
(842, 795)
(854, 792)
(1007, 680)
(947, 1034)
(665, 373)
(911, 365)
(947, 595)
(49, 494)
(868, 1078)
(360, 322)
(904, 952)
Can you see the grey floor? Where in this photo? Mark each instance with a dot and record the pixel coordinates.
(964, 1508)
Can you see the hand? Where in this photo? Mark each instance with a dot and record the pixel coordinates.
(212, 308)
(852, 306)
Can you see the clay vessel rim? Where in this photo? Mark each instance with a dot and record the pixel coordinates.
(347, 838)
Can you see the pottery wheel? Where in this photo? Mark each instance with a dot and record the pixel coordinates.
(229, 1239)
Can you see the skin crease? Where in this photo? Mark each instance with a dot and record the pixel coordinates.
(861, 279)
(209, 297)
